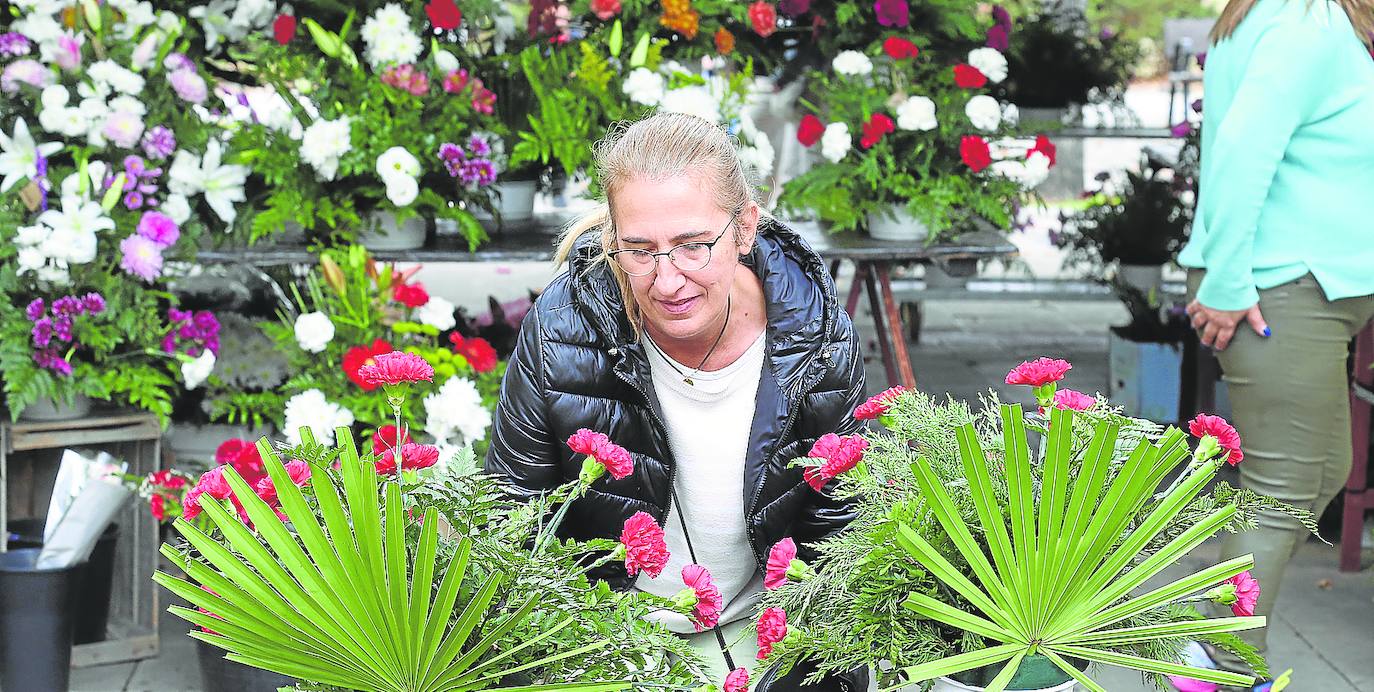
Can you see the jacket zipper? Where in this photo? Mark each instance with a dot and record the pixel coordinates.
(663, 430)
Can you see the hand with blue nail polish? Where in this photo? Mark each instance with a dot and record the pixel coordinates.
(1215, 328)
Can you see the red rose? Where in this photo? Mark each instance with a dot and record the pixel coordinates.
(284, 28)
(877, 126)
(478, 351)
(1044, 146)
(975, 152)
(899, 48)
(358, 356)
(810, 130)
(411, 295)
(764, 18)
(969, 77)
(444, 14)
(605, 9)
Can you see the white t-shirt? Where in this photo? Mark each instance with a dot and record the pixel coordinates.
(708, 431)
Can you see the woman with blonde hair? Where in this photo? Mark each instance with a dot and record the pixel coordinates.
(706, 338)
(1282, 251)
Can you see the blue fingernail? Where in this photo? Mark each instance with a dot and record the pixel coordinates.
(1267, 332)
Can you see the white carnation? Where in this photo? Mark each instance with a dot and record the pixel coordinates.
(836, 142)
(917, 113)
(314, 331)
(759, 155)
(456, 411)
(194, 372)
(851, 63)
(984, 112)
(645, 86)
(1028, 173)
(311, 409)
(437, 313)
(323, 143)
(397, 162)
(1011, 115)
(116, 76)
(177, 207)
(389, 38)
(990, 62)
(402, 190)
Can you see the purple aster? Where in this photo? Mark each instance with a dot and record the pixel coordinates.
(189, 85)
(999, 38)
(14, 44)
(794, 8)
(94, 303)
(62, 327)
(133, 201)
(159, 142)
(453, 157)
(142, 257)
(48, 358)
(892, 12)
(67, 305)
(478, 172)
(177, 61)
(42, 333)
(35, 309)
(206, 322)
(169, 343)
(1001, 16)
(478, 146)
(159, 228)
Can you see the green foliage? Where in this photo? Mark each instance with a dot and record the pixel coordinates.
(1057, 59)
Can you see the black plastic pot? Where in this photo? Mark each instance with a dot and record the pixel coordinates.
(218, 674)
(36, 623)
(94, 580)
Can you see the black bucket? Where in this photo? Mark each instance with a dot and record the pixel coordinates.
(94, 580)
(36, 623)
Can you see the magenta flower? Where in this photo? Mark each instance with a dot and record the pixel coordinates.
(397, 367)
(1001, 16)
(643, 543)
(1038, 372)
(478, 146)
(42, 333)
(1247, 594)
(736, 681)
(706, 611)
(478, 172)
(159, 228)
(892, 12)
(1182, 129)
(453, 157)
(878, 404)
(189, 85)
(68, 55)
(771, 628)
(141, 257)
(35, 309)
(1224, 433)
(94, 303)
(455, 81)
(794, 8)
(999, 38)
(838, 455)
(1072, 400)
(414, 457)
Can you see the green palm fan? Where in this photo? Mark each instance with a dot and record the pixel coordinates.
(341, 602)
(1058, 584)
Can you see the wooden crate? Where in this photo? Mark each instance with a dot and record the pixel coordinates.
(29, 458)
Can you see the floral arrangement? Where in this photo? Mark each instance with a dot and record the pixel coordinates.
(1058, 60)
(932, 143)
(361, 104)
(491, 600)
(955, 565)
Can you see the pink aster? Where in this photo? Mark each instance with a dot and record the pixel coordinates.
(1072, 400)
(1038, 372)
(645, 548)
(780, 558)
(838, 455)
(141, 257)
(1226, 436)
(1247, 594)
(706, 612)
(413, 458)
(879, 404)
(397, 367)
(737, 681)
(772, 628)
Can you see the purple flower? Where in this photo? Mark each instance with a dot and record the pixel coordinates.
(200, 328)
(14, 44)
(1182, 129)
(478, 146)
(1107, 33)
(159, 228)
(1197, 106)
(794, 8)
(478, 172)
(892, 12)
(68, 51)
(999, 38)
(177, 61)
(1002, 17)
(62, 327)
(453, 157)
(159, 142)
(49, 359)
(1202, 59)
(42, 333)
(35, 309)
(133, 201)
(26, 71)
(94, 303)
(67, 305)
(142, 257)
(189, 85)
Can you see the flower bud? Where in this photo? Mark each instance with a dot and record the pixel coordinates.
(1224, 594)
(685, 600)
(799, 571)
(591, 470)
(333, 275)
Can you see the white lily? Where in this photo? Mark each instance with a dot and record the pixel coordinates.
(74, 226)
(19, 155)
(222, 184)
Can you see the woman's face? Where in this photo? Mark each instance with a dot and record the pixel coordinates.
(659, 215)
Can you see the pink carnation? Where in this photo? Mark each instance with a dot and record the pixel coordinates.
(586, 441)
(839, 455)
(413, 457)
(1247, 594)
(1226, 436)
(780, 557)
(772, 628)
(879, 404)
(615, 458)
(645, 548)
(737, 681)
(706, 612)
(299, 471)
(1072, 400)
(1038, 372)
(397, 367)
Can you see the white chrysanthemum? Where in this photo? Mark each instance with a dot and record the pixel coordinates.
(402, 190)
(1011, 115)
(645, 86)
(917, 113)
(836, 142)
(852, 63)
(759, 155)
(177, 207)
(990, 62)
(323, 143)
(437, 313)
(73, 228)
(984, 112)
(194, 372)
(128, 104)
(314, 331)
(389, 39)
(311, 409)
(692, 100)
(1028, 173)
(455, 412)
(118, 77)
(397, 162)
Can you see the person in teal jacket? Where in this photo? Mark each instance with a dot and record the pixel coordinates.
(1281, 254)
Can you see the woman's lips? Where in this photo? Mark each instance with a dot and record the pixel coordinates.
(678, 307)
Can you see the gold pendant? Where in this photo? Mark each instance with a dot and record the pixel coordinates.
(689, 381)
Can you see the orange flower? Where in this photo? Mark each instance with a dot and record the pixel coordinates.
(725, 41)
(679, 16)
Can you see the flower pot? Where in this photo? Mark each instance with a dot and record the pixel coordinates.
(1035, 673)
(1147, 278)
(385, 233)
(947, 685)
(898, 226)
(94, 578)
(36, 622)
(218, 674)
(514, 200)
(1144, 377)
(47, 410)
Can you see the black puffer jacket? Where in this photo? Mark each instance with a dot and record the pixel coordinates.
(577, 364)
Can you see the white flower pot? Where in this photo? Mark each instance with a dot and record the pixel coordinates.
(384, 233)
(1146, 278)
(516, 199)
(947, 685)
(898, 226)
(46, 410)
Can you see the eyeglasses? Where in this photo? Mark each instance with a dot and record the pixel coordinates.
(687, 257)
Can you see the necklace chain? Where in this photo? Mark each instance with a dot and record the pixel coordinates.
(688, 377)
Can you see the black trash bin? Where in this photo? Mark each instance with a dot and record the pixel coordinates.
(36, 623)
(94, 580)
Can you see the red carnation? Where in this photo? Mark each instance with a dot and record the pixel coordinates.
(166, 479)
(975, 152)
(644, 546)
(397, 367)
(284, 28)
(899, 48)
(969, 77)
(385, 438)
(1226, 436)
(810, 130)
(411, 295)
(358, 356)
(780, 558)
(1044, 146)
(478, 351)
(764, 18)
(772, 628)
(244, 456)
(878, 404)
(736, 681)
(155, 506)
(444, 14)
(605, 9)
(229, 450)
(837, 454)
(878, 125)
(605, 455)
(413, 457)
(1038, 372)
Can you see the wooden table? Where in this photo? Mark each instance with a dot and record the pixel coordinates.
(534, 240)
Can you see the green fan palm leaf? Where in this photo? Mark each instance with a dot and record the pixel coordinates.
(1056, 575)
(341, 600)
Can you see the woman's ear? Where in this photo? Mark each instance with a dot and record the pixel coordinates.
(748, 227)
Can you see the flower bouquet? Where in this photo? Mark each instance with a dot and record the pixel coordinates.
(1007, 547)
(931, 141)
(387, 571)
(354, 123)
